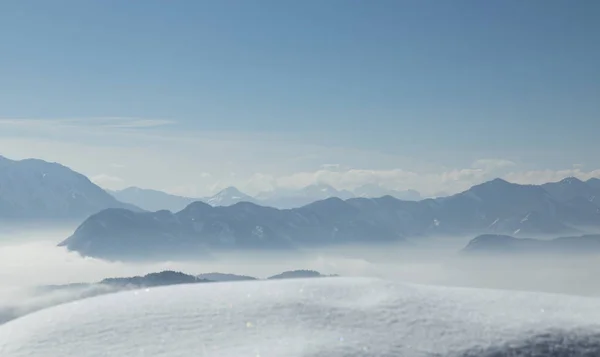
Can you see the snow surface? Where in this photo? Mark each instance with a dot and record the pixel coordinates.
(331, 317)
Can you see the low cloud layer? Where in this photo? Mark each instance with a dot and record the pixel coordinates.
(427, 183)
(32, 259)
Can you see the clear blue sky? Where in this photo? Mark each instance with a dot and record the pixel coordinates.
(396, 76)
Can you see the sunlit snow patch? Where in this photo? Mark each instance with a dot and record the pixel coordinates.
(331, 317)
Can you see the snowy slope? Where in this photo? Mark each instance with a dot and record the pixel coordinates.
(310, 317)
(571, 188)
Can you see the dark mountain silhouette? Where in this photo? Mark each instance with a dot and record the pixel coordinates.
(594, 182)
(167, 277)
(170, 277)
(496, 206)
(296, 274)
(70, 292)
(221, 277)
(503, 244)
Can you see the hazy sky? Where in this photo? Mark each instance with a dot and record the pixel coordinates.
(192, 96)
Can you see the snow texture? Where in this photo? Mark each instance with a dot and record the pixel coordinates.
(333, 317)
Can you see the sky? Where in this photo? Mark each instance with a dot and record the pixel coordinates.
(193, 96)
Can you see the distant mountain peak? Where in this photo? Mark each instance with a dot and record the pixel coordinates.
(328, 201)
(230, 190)
(494, 185)
(499, 181)
(229, 196)
(197, 205)
(571, 180)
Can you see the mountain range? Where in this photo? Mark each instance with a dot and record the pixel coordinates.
(496, 206)
(36, 190)
(153, 200)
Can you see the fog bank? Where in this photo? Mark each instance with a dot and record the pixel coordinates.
(33, 259)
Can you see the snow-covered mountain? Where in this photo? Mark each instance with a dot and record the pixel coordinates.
(36, 190)
(334, 317)
(228, 197)
(152, 200)
(572, 188)
(294, 198)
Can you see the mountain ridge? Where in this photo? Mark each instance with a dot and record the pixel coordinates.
(504, 244)
(496, 206)
(37, 190)
(151, 200)
(154, 200)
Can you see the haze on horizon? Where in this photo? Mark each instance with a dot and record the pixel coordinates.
(404, 94)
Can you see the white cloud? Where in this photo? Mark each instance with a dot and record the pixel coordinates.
(537, 177)
(260, 183)
(492, 164)
(331, 167)
(107, 181)
(427, 182)
(183, 190)
(137, 123)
